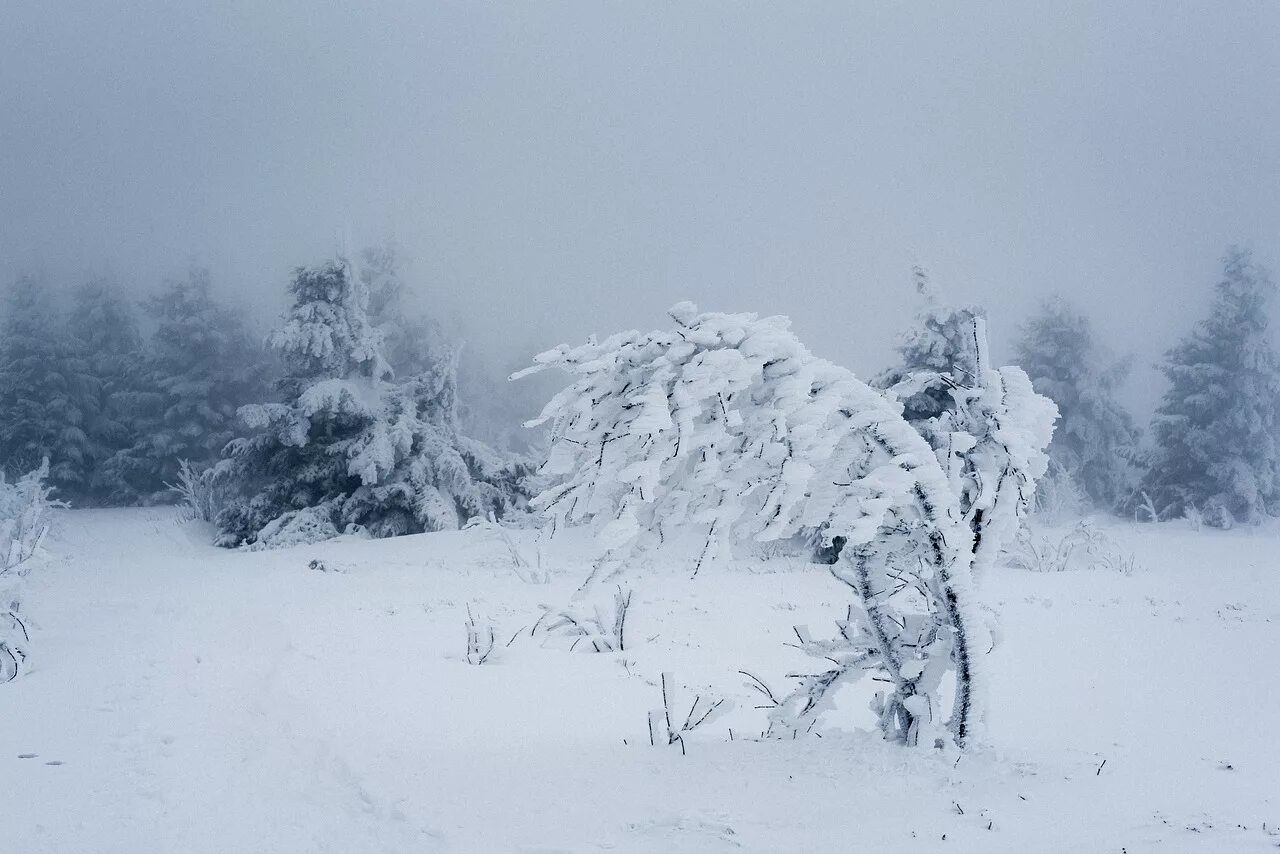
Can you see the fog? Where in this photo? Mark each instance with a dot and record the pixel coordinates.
(554, 169)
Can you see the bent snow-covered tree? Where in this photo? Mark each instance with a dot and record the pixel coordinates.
(728, 425)
(348, 448)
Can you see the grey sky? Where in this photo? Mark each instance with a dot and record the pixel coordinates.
(559, 168)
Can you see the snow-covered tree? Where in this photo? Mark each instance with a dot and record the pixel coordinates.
(203, 364)
(727, 425)
(940, 342)
(347, 448)
(104, 329)
(1217, 431)
(989, 428)
(1095, 442)
(489, 410)
(44, 390)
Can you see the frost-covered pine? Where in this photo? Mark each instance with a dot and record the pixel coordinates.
(44, 389)
(1217, 431)
(727, 426)
(347, 448)
(1095, 441)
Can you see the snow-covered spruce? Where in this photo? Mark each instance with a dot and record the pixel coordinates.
(1096, 443)
(727, 424)
(349, 449)
(1217, 430)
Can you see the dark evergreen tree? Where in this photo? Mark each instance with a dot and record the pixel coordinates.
(203, 364)
(44, 390)
(104, 328)
(347, 448)
(1217, 450)
(1095, 442)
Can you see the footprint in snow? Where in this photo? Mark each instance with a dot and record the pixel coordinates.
(54, 762)
(26, 756)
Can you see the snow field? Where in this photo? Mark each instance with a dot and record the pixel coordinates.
(201, 700)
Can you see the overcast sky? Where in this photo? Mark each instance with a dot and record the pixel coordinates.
(554, 169)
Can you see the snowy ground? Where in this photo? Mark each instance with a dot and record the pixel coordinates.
(188, 699)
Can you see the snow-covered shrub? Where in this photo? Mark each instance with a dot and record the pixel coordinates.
(1058, 494)
(1084, 546)
(1144, 509)
(24, 508)
(200, 491)
(349, 449)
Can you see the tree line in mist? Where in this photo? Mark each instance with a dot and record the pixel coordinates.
(128, 400)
